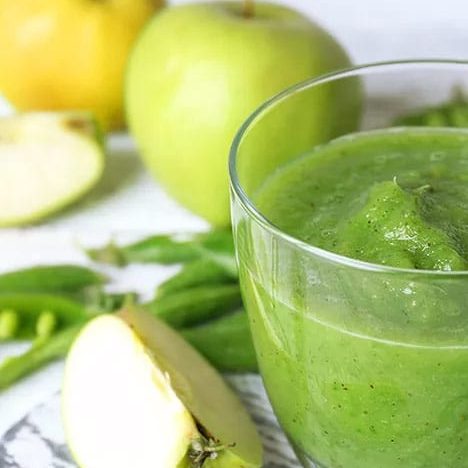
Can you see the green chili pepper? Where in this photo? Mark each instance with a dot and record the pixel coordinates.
(41, 353)
(196, 273)
(9, 324)
(29, 307)
(225, 342)
(196, 305)
(50, 279)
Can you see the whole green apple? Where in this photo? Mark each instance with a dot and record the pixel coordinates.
(197, 72)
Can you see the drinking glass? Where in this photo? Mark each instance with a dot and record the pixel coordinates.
(366, 366)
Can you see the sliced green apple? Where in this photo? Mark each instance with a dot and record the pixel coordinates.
(137, 394)
(47, 161)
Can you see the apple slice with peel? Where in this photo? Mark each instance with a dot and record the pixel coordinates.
(137, 395)
(47, 161)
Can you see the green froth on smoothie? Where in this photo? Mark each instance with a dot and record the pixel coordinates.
(390, 230)
(397, 198)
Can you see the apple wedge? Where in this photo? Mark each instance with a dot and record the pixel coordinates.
(136, 394)
(47, 161)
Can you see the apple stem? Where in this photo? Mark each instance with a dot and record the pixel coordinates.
(249, 8)
(203, 449)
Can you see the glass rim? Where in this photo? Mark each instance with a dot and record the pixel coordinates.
(260, 218)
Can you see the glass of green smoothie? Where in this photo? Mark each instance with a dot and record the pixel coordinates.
(350, 216)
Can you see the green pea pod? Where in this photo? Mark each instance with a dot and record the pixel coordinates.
(219, 249)
(193, 274)
(196, 305)
(41, 353)
(225, 342)
(167, 249)
(156, 249)
(50, 279)
(223, 259)
(29, 308)
(451, 114)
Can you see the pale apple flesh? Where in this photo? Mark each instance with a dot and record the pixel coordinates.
(47, 161)
(119, 409)
(136, 394)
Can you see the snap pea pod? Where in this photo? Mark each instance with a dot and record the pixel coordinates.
(451, 114)
(219, 249)
(167, 249)
(224, 259)
(225, 342)
(41, 353)
(196, 273)
(50, 279)
(29, 308)
(196, 305)
(161, 249)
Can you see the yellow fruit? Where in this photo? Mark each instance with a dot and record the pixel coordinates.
(69, 54)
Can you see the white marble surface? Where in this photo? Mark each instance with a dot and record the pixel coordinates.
(38, 440)
(371, 30)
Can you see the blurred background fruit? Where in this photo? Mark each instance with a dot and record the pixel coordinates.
(69, 54)
(48, 160)
(198, 71)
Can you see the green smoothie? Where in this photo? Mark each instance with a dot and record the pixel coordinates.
(367, 368)
(396, 198)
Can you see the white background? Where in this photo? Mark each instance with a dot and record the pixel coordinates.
(371, 30)
(375, 30)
